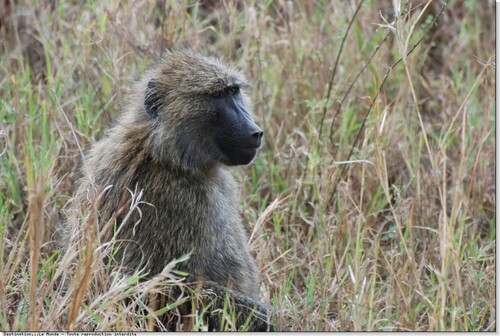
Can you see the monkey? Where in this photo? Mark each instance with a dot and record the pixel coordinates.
(186, 121)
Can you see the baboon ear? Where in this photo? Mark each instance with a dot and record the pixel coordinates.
(152, 99)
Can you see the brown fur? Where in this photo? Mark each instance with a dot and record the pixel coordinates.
(192, 198)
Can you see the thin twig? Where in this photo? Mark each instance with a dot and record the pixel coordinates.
(69, 124)
(334, 71)
(365, 117)
(330, 83)
(354, 81)
(4, 135)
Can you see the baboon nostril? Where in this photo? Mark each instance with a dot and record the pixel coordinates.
(257, 135)
(256, 138)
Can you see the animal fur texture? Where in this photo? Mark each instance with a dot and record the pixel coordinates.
(163, 145)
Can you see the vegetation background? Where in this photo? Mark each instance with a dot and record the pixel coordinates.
(370, 207)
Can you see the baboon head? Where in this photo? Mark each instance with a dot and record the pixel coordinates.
(198, 112)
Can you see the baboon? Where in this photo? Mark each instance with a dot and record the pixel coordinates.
(186, 120)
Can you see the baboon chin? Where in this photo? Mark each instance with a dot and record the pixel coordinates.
(187, 118)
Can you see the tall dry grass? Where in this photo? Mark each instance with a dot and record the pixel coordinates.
(371, 206)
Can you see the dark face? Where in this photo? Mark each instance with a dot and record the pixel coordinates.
(215, 127)
(236, 134)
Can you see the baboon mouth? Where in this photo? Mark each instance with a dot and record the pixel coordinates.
(239, 155)
(246, 150)
(241, 148)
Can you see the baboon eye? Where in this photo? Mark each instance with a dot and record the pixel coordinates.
(234, 89)
(217, 94)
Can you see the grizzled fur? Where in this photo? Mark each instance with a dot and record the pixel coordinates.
(162, 144)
